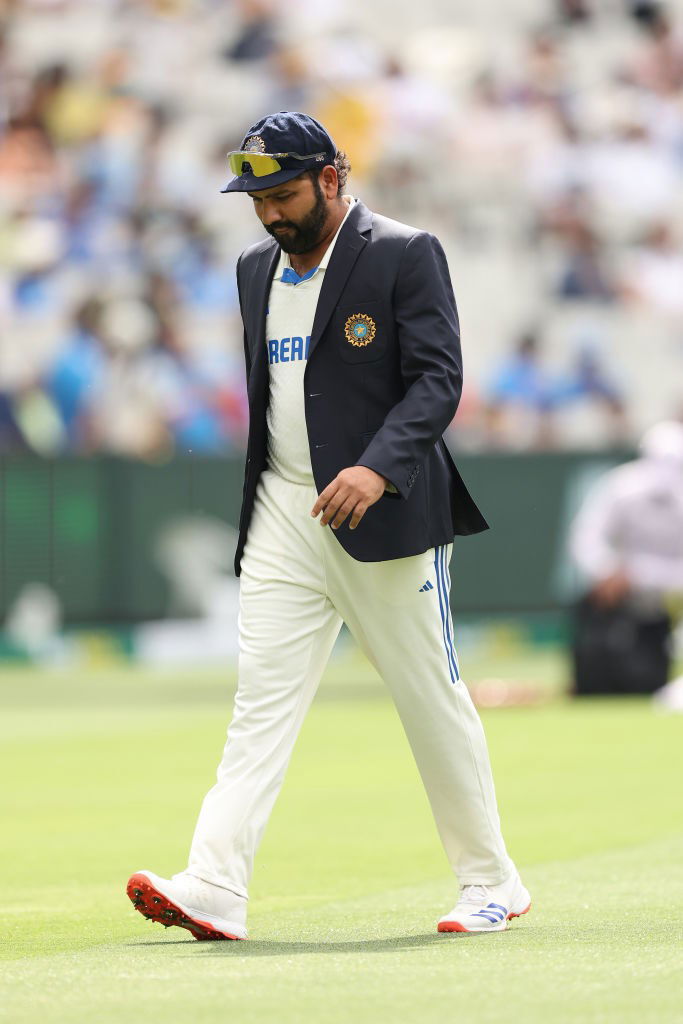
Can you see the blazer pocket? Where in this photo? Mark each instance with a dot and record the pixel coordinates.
(360, 332)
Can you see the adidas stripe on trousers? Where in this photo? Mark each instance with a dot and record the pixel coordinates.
(297, 586)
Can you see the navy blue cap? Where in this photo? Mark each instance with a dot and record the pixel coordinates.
(284, 132)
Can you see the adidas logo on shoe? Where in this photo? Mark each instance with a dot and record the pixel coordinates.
(487, 908)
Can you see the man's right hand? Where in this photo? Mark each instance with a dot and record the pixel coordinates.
(612, 590)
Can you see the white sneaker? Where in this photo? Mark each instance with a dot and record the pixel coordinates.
(487, 908)
(207, 911)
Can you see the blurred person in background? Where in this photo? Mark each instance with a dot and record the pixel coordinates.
(658, 63)
(652, 275)
(28, 168)
(519, 401)
(575, 12)
(627, 542)
(527, 403)
(256, 38)
(76, 374)
(583, 274)
(589, 384)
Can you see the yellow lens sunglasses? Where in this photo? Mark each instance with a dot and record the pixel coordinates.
(262, 164)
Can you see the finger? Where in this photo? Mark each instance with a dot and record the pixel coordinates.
(358, 513)
(333, 506)
(324, 497)
(344, 511)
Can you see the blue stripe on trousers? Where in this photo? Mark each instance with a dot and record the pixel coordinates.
(444, 608)
(449, 621)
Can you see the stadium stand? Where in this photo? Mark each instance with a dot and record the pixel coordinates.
(542, 142)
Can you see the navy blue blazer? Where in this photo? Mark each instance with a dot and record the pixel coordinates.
(383, 402)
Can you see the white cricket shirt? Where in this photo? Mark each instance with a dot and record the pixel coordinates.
(633, 521)
(289, 322)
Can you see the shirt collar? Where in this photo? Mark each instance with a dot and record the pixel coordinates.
(286, 273)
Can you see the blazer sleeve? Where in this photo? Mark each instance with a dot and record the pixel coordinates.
(431, 364)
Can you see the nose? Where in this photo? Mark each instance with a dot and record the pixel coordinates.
(270, 213)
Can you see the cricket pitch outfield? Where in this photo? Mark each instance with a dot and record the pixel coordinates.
(104, 775)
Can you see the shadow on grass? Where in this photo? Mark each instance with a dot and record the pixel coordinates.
(256, 947)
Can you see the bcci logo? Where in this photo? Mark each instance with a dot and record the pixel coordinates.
(254, 144)
(360, 330)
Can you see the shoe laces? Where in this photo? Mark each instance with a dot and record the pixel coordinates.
(475, 894)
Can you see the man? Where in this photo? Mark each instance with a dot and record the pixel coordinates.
(354, 372)
(627, 541)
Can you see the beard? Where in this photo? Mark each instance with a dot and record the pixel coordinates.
(304, 236)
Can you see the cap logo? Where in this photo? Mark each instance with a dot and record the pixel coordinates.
(360, 330)
(254, 144)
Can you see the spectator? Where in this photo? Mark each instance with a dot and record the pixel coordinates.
(589, 382)
(257, 32)
(653, 273)
(28, 168)
(657, 65)
(77, 373)
(574, 11)
(520, 398)
(583, 274)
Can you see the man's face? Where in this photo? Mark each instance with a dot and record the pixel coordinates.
(294, 213)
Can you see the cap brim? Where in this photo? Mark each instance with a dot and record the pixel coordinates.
(250, 183)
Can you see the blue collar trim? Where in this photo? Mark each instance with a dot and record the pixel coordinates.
(290, 276)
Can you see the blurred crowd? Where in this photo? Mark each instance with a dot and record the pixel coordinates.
(542, 142)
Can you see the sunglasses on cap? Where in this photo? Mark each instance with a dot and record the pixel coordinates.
(262, 164)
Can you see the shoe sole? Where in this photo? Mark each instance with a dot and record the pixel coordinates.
(154, 906)
(455, 926)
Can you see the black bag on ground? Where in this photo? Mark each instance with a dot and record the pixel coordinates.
(615, 650)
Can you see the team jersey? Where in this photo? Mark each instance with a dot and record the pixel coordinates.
(289, 321)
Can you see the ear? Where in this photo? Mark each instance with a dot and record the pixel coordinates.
(329, 181)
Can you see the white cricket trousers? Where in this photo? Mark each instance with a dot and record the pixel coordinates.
(297, 585)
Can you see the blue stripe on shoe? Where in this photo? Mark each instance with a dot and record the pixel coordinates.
(449, 621)
(493, 912)
(445, 612)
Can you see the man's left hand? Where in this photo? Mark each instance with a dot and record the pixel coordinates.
(352, 492)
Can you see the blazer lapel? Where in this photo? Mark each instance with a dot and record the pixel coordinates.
(258, 300)
(347, 249)
(257, 308)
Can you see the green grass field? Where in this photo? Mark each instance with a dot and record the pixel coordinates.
(104, 775)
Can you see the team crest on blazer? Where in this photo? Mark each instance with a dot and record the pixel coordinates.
(360, 330)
